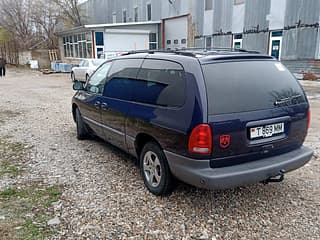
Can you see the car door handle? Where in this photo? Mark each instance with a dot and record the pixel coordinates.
(97, 105)
(104, 106)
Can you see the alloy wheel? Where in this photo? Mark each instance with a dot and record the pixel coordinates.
(152, 169)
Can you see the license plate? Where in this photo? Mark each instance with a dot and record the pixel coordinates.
(266, 131)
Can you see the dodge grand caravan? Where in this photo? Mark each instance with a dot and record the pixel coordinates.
(214, 119)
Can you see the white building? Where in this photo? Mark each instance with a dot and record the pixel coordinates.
(286, 29)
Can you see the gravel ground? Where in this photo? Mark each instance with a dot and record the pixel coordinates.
(104, 196)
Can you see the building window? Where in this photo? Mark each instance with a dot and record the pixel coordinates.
(124, 16)
(89, 50)
(208, 5)
(208, 42)
(237, 41)
(136, 19)
(99, 38)
(184, 41)
(168, 42)
(237, 2)
(238, 36)
(153, 43)
(149, 12)
(176, 41)
(77, 45)
(276, 34)
(114, 17)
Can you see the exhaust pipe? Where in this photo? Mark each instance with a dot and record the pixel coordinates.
(278, 178)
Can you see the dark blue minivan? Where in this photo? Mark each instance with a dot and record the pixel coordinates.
(212, 118)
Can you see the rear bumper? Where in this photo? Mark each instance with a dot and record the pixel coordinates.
(200, 174)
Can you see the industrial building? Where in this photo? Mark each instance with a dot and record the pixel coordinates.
(285, 29)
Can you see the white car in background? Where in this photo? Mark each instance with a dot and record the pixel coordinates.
(85, 69)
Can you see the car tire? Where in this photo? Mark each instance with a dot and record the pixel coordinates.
(155, 170)
(73, 78)
(82, 130)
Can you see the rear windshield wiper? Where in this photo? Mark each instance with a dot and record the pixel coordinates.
(287, 100)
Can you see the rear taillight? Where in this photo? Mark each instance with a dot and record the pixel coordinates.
(200, 140)
(309, 118)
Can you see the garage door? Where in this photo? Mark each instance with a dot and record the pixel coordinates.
(126, 40)
(176, 32)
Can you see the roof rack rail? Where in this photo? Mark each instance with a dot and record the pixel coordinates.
(192, 52)
(176, 51)
(219, 49)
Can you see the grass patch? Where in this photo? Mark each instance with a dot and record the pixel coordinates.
(11, 150)
(25, 210)
(9, 169)
(40, 196)
(12, 155)
(5, 194)
(28, 210)
(54, 194)
(34, 231)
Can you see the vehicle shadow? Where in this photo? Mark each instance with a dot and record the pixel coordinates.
(272, 192)
(126, 157)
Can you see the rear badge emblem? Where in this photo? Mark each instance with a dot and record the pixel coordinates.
(225, 141)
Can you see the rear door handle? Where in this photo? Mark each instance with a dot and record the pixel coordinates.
(97, 104)
(104, 106)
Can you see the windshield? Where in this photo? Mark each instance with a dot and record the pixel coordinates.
(249, 85)
(97, 62)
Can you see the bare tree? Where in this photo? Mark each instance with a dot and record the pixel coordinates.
(33, 22)
(45, 16)
(30, 22)
(70, 11)
(15, 17)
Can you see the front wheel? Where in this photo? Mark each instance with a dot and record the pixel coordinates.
(155, 170)
(82, 131)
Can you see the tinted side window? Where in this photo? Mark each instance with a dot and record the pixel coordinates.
(97, 80)
(160, 82)
(120, 78)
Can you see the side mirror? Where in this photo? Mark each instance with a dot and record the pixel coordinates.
(77, 86)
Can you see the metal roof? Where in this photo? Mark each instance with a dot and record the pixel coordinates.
(107, 25)
(121, 24)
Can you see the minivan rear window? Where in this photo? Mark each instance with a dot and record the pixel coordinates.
(249, 85)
